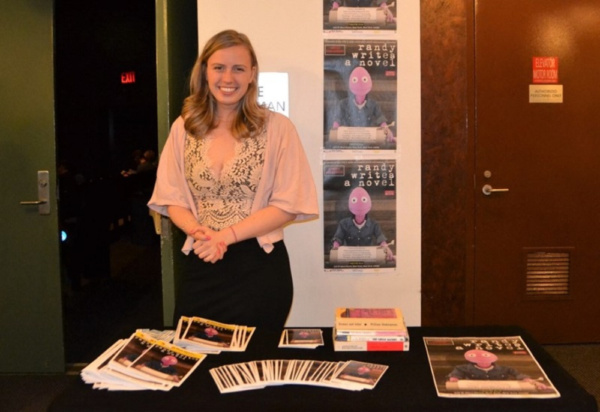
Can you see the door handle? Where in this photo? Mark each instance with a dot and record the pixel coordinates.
(488, 190)
(32, 202)
(43, 185)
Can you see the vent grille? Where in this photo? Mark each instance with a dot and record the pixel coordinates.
(548, 274)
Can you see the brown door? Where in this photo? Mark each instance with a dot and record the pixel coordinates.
(537, 245)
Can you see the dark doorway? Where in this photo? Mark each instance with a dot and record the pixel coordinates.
(106, 127)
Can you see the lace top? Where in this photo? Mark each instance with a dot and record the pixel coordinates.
(224, 201)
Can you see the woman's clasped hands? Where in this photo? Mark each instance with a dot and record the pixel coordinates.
(209, 245)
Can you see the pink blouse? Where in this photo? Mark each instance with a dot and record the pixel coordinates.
(286, 181)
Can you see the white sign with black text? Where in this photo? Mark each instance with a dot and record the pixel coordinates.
(273, 91)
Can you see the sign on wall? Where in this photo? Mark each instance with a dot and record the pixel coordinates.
(273, 91)
(545, 78)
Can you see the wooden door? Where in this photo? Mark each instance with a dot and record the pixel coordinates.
(30, 285)
(537, 245)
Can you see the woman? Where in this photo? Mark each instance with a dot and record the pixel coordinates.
(232, 174)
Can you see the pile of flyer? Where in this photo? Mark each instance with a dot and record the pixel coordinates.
(370, 329)
(350, 375)
(141, 363)
(160, 360)
(301, 338)
(207, 336)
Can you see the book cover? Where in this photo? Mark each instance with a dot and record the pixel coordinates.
(369, 318)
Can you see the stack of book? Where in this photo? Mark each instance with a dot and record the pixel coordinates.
(367, 329)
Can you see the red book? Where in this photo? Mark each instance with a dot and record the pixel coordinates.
(370, 346)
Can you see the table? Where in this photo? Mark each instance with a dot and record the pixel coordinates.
(406, 386)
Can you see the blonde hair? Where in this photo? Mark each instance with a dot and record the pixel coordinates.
(200, 107)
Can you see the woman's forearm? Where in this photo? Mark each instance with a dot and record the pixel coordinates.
(212, 245)
(261, 222)
(257, 224)
(183, 218)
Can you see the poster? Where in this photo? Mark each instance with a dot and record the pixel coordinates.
(360, 94)
(359, 211)
(359, 15)
(486, 367)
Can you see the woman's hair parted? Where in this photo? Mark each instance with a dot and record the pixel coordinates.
(200, 108)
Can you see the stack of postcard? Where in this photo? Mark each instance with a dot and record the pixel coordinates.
(141, 363)
(370, 329)
(208, 336)
(301, 338)
(350, 375)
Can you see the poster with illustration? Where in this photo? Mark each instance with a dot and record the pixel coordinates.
(359, 208)
(486, 367)
(359, 15)
(360, 94)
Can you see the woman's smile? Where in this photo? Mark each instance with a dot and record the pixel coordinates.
(229, 73)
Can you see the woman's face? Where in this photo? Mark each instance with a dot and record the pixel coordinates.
(229, 72)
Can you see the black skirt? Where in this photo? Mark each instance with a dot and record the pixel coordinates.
(247, 287)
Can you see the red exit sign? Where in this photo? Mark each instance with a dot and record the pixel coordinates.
(127, 77)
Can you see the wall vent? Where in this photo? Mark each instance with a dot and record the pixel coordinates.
(547, 273)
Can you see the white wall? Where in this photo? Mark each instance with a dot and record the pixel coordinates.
(288, 37)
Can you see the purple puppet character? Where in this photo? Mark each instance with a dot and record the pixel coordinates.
(360, 230)
(165, 365)
(482, 366)
(359, 111)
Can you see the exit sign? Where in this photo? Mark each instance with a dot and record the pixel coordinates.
(127, 77)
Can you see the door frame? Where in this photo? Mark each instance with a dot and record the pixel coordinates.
(447, 159)
(176, 51)
(470, 192)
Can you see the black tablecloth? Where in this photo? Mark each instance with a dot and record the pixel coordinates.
(406, 385)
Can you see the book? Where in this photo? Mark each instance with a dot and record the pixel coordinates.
(369, 318)
(372, 332)
(370, 346)
(369, 338)
(370, 329)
